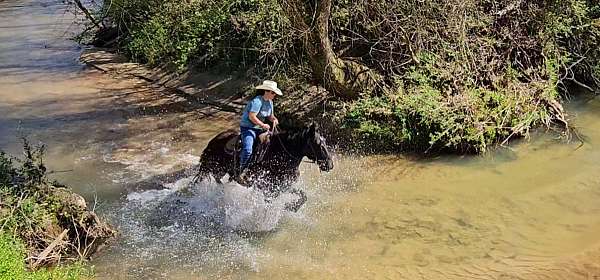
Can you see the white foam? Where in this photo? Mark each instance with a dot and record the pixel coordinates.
(159, 195)
(201, 222)
(147, 196)
(246, 209)
(145, 163)
(240, 208)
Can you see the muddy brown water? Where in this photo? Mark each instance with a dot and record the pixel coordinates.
(527, 211)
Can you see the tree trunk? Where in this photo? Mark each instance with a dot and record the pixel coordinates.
(344, 78)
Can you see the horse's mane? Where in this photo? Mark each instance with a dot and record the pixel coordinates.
(292, 134)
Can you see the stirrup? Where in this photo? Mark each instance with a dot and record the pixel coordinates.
(241, 177)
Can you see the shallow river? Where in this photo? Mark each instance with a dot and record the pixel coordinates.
(527, 211)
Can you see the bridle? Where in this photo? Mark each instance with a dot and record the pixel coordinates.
(301, 159)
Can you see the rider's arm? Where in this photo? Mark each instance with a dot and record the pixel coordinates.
(254, 119)
(272, 117)
(273, 120)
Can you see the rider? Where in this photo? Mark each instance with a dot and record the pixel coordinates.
(252, 123)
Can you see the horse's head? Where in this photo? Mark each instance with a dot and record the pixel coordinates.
(316, 149)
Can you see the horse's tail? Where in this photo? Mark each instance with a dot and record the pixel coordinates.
(202, 172)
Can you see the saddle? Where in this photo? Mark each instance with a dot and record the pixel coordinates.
(234, 145)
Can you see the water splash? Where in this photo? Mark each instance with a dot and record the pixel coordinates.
(230, 205)
(205, 226)
(247, 209)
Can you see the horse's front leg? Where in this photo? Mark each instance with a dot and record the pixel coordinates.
(295, 206)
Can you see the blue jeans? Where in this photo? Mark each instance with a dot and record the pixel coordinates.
(248, 136)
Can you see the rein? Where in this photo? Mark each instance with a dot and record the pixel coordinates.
(301, 159)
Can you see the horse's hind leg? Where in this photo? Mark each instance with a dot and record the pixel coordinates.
(218, 176)
(200, 175)
(295, 206)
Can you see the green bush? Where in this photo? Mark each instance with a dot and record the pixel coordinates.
(12, 264)
(6, 169)
(456, 75)
(237, 33)
(22, 188)
(418, 116)
(32, 211)
(480, 82)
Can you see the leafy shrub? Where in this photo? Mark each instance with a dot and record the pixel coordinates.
(12, 264)
(6, 169)
(233, 32)
(33, 212)
(457, 75)
(468, 82)
(418, 116)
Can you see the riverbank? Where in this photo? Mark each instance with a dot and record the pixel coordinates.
(471, 77)
(43, 223)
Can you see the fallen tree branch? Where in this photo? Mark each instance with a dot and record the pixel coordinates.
(44, 255)
(590, 89)
(88, 15)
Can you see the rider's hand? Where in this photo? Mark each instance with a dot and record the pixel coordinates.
(266, 126)
(275, 122)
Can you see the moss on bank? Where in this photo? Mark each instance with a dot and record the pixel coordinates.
(42, 223)
(444, 75)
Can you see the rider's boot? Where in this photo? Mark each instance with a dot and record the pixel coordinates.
(241, 177)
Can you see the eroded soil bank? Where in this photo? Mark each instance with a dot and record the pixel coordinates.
(529, 211)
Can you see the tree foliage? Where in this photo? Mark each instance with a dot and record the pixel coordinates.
(431, 74)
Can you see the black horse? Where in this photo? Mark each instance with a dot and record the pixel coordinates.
(275, 168)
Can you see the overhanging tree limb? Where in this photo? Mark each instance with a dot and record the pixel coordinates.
(87, 14)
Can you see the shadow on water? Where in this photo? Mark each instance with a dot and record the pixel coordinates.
(116, 105)
(124, 101)
(158, 182)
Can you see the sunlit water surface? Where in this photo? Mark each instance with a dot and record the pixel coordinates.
(531, 210)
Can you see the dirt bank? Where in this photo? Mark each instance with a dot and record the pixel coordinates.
(210, 93)
(54, 224)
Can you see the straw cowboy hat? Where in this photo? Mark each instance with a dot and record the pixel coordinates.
(270, 85)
